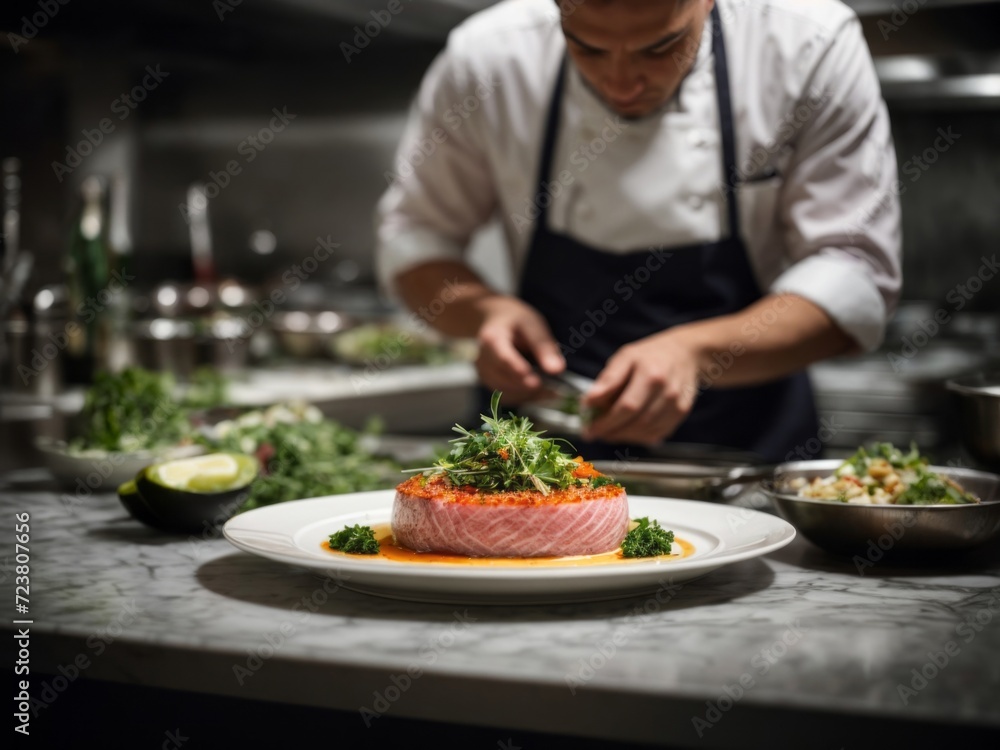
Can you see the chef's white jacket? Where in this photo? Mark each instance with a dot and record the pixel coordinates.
(818, 193)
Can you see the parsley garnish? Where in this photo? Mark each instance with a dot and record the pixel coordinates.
(647, 540)
(355, 540)
(602, 481)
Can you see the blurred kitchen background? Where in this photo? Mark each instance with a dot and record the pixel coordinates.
(211, 75)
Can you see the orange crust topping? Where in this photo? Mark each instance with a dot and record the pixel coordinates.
(438, 488)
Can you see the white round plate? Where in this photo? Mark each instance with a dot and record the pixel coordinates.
(293, 533)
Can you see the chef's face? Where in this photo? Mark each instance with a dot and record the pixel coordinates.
(634, 53)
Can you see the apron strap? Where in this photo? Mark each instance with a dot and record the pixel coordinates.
(549, 145)
(722, 94)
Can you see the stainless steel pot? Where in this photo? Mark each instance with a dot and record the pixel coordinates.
(302, 333)
(979, 412)
(180, 346)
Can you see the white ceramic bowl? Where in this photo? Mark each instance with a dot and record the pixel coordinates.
(99, 470)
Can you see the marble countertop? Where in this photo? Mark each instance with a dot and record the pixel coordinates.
(799, 642)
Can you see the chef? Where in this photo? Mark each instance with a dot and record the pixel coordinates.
(697, 198)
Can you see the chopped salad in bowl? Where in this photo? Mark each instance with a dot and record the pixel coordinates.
(885, 476)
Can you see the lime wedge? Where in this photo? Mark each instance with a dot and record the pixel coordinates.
(216, 471)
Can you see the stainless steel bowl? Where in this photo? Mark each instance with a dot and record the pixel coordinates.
(979, 412)
(862, 529)
(389, 343)
(305, 334)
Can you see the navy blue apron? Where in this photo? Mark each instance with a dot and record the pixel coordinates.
(565, 279)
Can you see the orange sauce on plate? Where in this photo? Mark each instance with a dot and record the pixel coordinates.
(389, 550)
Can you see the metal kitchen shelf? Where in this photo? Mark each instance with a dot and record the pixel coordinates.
(880, 7)
(963, 80)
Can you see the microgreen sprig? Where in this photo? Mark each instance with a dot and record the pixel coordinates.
(508, 454)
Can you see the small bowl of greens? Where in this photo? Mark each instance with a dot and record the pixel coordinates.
(883, 499)
(391, 344)
(129, 420)
(301, 454)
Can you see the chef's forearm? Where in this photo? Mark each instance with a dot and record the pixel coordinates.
(776, 336)
(447, 294)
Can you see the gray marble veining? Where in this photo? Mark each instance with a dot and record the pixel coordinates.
(797, 629)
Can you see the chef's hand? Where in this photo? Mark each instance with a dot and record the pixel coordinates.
(644, 391)
(511, 328)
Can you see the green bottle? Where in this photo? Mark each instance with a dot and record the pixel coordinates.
(87, 274)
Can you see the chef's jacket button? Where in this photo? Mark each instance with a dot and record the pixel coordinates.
(695, 201)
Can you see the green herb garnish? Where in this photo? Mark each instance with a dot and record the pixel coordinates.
(862, 459)
(899, 460)
(931, 489)
(923, 486)
(355, 540)
(508, 454)
(570, 404)
(131, 411)
(302, 454)
(647, 540)
(602, 481)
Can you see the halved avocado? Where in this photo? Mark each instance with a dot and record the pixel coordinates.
(194, 494)
(129, 495)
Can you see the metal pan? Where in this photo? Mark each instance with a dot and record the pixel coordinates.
(705, 479)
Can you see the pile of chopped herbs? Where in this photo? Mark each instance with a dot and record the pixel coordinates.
(570, 404)
(131, 411)
(933, 489)
(647, 540)
(355, 540)
(509, 455)
(138, 409)
(302, 454)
